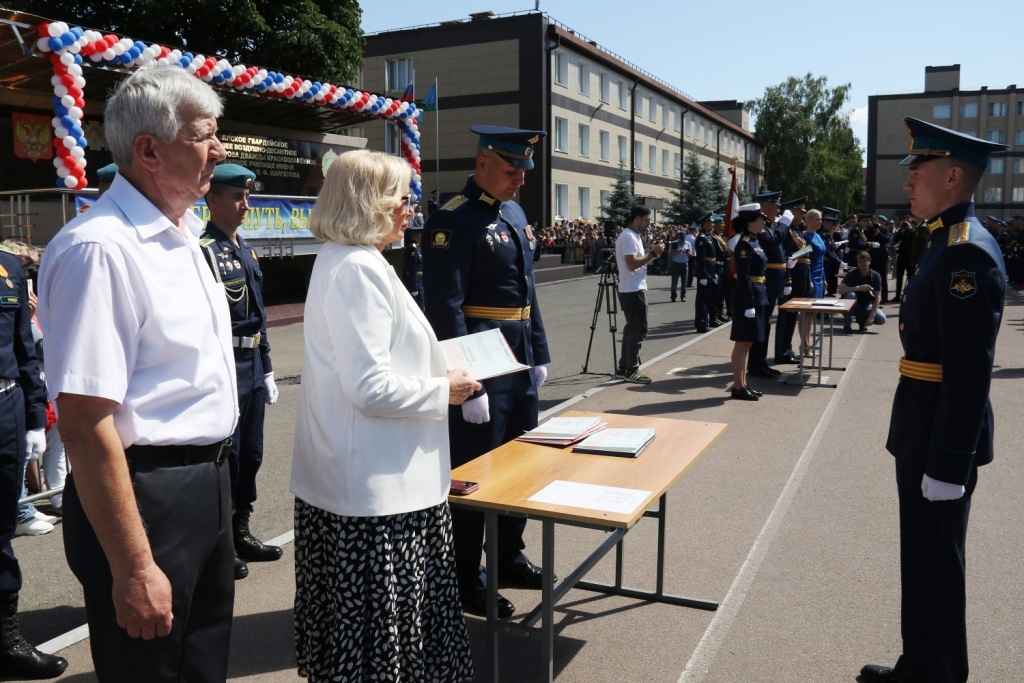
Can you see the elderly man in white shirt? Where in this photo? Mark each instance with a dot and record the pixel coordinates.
(139, 362)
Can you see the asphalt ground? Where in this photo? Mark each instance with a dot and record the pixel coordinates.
(789, 521)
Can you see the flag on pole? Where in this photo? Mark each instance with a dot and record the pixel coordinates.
(408, 95)
(430, 99)
(732, 205)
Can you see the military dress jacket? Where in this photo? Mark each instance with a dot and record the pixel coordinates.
(478, 252)
(18, 360)
(949, 320)
(750, 274)
(706, 249)
(771, 239)
(236, 267)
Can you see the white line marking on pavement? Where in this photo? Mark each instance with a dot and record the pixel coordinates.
(717, 631)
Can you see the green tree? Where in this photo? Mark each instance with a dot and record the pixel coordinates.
(809, 145)
(620, 201)
(320, 39)
(718, 188)
(692, 198)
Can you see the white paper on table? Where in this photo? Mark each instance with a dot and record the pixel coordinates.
(591, 496)
(482, 354)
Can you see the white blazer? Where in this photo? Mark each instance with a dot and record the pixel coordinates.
(371, 436)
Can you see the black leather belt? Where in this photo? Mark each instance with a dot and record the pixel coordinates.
(180, 455)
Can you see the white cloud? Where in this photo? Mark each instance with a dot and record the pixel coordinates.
(859, 115)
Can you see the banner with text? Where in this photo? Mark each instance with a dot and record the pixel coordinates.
(268, 218)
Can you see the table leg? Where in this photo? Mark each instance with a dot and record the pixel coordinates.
(547, 598)
(660, 581)
(491, 529)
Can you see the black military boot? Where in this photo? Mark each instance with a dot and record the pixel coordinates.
(247, 547)
(18, 657)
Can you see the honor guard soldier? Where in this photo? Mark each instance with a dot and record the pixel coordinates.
(22, 427)
(412, 264)
(477, 276)
(706, 274)
(798, 276)
(941, 428)
(236, 267)
(724, 287)
(770, 240)
(833, 259)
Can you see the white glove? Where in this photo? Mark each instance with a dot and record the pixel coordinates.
(271, 387)
(874, 245)
(787, 290)
(750, 313)
(477, 410)
(540, 373)
(35, 443)
(787, 218)
(703, 283)
(934, 490)
(791, 263)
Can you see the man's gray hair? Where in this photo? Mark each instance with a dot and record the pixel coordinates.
(156, 101)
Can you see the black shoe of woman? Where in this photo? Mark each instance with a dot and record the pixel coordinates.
(743, 394)
(755, 392)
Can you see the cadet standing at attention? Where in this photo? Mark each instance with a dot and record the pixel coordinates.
(477, 276)
(704, 264)
(941, 427)
(235, 266)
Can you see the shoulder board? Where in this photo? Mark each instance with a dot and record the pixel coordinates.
(7, 251)
(455, 202)
(206, 241)
(959, 233)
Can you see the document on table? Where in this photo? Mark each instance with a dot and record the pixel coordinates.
(591, 496)
(483, 354)
(832, 303)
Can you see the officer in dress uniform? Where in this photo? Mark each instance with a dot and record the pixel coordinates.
(707, 279)
(770, 240)
(941, 427)
(477, 276)
(724, 287)
(798, 276)
(235, 266)
(22, 425)
(833, 258)
(412, 264)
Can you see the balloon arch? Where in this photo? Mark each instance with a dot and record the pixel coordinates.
(69, 47)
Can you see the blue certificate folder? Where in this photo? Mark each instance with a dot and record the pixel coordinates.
(622, 442)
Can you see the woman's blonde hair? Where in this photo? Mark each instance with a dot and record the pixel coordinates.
(358, 197)
(813, 213)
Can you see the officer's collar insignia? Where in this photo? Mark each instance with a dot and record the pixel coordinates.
(963, 284)
(487, 199)
(533, 141)
(442, 239)
(529, 233)
(935, 224)
(959, 233)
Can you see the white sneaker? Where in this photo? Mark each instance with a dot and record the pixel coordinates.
(33, 527)
(42, 517)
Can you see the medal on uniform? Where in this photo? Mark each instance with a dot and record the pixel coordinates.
(238, 265)
(490, 241)
(3, 272)
(504, 237)
(9, 283)
(228, 266)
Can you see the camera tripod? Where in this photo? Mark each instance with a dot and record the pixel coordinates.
(607, 294)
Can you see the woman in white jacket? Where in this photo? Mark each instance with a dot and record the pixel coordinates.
(375, 589)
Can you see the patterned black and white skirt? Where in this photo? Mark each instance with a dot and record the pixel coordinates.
(376, 598)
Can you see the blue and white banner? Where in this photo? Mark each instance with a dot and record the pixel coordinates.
(268, 217)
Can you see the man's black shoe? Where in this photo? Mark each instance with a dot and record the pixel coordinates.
(715, 323)
(241, 569)
(477, 604)
(247, 546)
(767, 373)
(847, 329)
(18, 657)
(876, 673)
(702, 330)
(862, 328)
(521, 575)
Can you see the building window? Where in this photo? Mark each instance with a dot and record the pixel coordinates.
(677, 124)
(638, 104)
(585, 202)
(398, 73)
(623, 96)
(584, 140)
(652, 159)
(638, 155)
(584, 74)
(561, 68)
(997, 108)
(1018, 137)
(995, 165)
(1018, 166)
(561, 134)
(392, 138)
(969, 110)
(604, 196)
(664, 162)
(1018, 194)
(605, 143)
(652, 112)
(940, 111)
(605, 86)
(998, 136)
(665, 113)
(561, 201)
(993, 194)
(677, 165)
(1020, 108)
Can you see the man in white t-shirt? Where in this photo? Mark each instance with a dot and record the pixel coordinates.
(632, 262)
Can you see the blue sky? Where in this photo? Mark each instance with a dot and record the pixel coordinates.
(735, 49)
